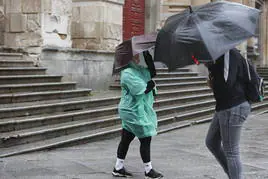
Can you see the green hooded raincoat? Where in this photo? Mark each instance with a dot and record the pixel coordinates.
(135, 107)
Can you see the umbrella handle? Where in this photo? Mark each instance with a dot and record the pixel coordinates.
(191, 10)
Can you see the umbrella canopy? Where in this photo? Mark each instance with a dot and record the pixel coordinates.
(204, 33)
(126, 50)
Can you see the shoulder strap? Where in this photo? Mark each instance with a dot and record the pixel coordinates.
(248, 70)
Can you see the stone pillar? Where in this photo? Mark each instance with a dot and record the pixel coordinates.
(97, 24)
(32, 24)
(23, 25)
(264, 35)
(2, 22)
(171, 7)
(199, 2)
(152, 15)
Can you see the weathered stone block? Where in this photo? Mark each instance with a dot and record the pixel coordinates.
(75, 30)
(13, 6)
(199, 2)
(7, 21)
(57, 40)
(90, 29)
(109, 44)
(56, 24)
(91, 44)
(23, 39)
(62, 7)
(33, 50)
(113, 13)
(76, 14)
(112, 31)
(2, 23)
(86, 29)
(33, 22)
(46, 6)
(92, 13)
(179, 2)
(31, 6)
(2, 38)
(10, 39)
(17, 22)
(75, 66)
(31, 39)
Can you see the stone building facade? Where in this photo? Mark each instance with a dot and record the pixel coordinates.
(77, 38)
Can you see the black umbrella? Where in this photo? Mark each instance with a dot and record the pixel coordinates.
(125, 51)
(204, 33)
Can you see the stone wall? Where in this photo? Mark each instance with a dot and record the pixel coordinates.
(56, 23)
(32, 24)
(264, 35)
(90, 69)
(97, 24)
(152, 15)
(2, 22)
(23, 24)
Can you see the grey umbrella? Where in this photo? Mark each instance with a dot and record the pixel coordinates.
(204, 33)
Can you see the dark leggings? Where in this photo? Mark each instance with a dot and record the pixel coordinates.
(126, 139)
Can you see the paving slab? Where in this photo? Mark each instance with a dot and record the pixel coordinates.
(179, 154)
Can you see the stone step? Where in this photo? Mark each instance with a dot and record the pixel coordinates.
(36, 87)
(10, 56)
(66, 140)
(262, 68)
(41, 96)
(11, 124)
(265, 77)
(184, 99)
(175, 74)
(172, 109)
(46, 132)
(189, 115)
(263, 72)
(16, 63)
(53, 106)
(175, 93)
(110, 108)
(176, 79)
(182, 124)
(171, 86)
(22, 71)
(26, 79)
(159, 70)
(94, 135)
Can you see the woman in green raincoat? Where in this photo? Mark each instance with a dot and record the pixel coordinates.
(137, 114)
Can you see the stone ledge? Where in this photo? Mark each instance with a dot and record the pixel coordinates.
(120, 2)
(75, 50)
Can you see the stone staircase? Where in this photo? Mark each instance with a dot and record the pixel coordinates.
(39, 111)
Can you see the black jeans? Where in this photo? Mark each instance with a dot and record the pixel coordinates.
(126, 139)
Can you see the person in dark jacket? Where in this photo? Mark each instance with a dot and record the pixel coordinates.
(227, 78)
